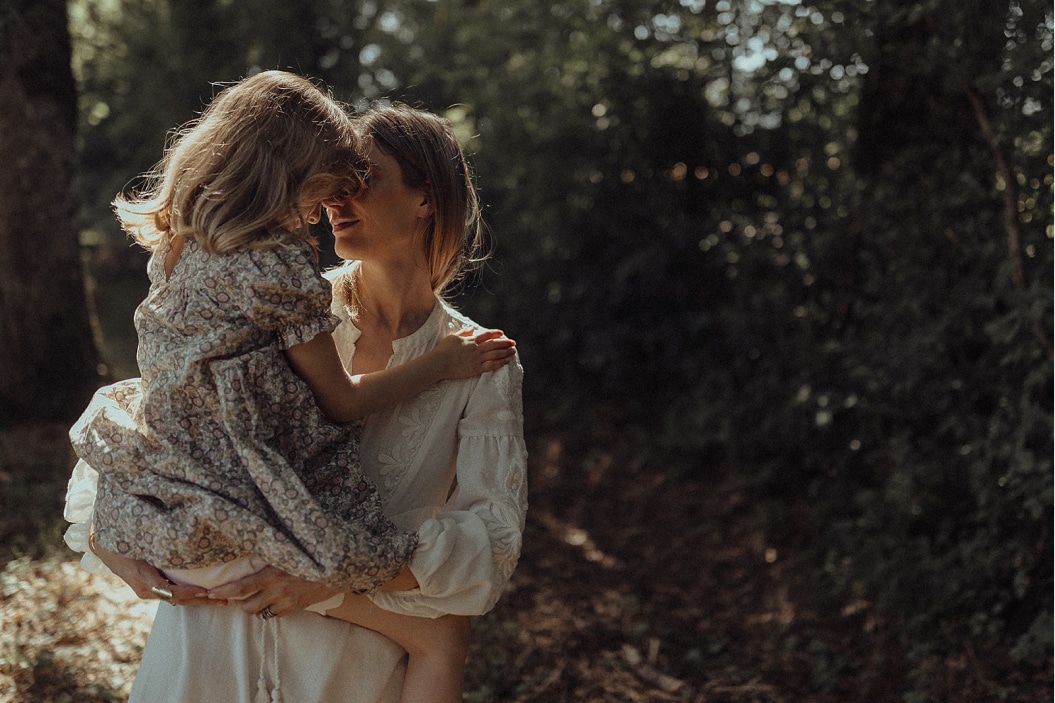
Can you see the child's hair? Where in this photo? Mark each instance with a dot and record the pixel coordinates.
(264, 153)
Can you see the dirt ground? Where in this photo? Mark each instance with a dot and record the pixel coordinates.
(632, 587)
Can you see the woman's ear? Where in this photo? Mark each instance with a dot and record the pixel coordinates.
(425, 208)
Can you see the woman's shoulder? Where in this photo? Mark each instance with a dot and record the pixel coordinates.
(453, 320)
(508, 378)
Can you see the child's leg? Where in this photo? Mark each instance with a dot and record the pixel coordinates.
(437, 648)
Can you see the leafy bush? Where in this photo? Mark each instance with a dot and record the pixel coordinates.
(812, 242)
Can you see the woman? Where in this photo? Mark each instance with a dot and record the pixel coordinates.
(450, 463)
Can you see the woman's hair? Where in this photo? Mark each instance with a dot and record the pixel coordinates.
(264, 153)
(431, 158)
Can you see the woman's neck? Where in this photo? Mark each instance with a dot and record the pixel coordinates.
(393, 302)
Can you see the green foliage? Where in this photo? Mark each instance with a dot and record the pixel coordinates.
(947, 356)
(778, 235)
(145, 68)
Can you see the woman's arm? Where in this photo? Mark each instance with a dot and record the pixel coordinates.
(466, 554)
(283, 593)
(271, 588)
(344, 398)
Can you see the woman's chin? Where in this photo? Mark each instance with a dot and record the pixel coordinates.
(345, 249)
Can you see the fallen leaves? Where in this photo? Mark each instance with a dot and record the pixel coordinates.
(66, 634)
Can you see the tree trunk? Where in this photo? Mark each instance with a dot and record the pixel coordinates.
(48, 360)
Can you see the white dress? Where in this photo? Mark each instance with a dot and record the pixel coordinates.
(449, 463)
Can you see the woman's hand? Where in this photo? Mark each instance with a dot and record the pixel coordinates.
(273, 589)
(142, 577)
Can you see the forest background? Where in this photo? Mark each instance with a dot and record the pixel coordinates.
(780, 274)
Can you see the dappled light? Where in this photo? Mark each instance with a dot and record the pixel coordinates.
(580, 538)
(780, 274)
(62, 628)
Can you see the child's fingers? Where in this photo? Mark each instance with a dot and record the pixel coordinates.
(497, 355)
(495, 364)
(488, 335)
(495, 344)
(502, 353)
(496, 359)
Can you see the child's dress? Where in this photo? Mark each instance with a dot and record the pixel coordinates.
(220, 452)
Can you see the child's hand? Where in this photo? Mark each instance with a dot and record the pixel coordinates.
(465, 355)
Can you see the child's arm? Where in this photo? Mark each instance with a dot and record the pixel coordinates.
(343, 398)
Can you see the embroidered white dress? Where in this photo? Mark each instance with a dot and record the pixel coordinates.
(450, 464)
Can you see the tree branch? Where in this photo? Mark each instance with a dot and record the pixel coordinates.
(1014, 237)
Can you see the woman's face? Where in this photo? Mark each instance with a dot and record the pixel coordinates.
(383, 222)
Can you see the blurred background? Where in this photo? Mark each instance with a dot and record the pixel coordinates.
(780, 274)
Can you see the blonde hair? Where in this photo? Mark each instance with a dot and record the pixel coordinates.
(264, 153)
(431, 158)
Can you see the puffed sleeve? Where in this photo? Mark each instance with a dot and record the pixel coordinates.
(286, 296)
(80, 505)
(467, 553)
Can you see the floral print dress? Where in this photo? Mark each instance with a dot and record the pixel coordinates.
(219, 450)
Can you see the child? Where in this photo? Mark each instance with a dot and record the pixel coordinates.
(219, 461)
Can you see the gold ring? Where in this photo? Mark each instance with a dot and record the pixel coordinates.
(162, 593)
(266, 613)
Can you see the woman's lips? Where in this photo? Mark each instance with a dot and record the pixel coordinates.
(340, 225)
